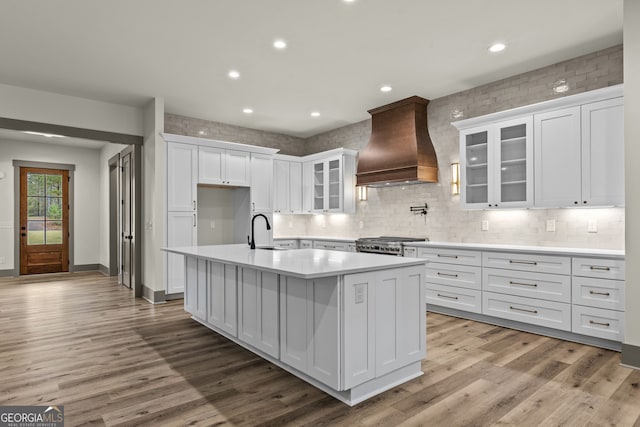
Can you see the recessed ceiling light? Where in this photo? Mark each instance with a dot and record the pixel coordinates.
(279, 44)
(46, 135)
(497, 47)
(234, 74)
(385, 89)
(315, 114)
(247, 111)
(348, 1)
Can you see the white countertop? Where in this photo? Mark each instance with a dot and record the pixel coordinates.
(303, 263)
(550, 250)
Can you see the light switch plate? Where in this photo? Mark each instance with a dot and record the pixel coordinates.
(592, 226)
(551, 225)
(484, 225)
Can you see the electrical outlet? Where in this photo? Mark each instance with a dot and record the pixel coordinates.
(592, 226)
(551, 225)
(484, 225)
(361, 225)
(290, 224)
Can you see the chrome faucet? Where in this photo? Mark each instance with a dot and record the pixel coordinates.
(252, 243)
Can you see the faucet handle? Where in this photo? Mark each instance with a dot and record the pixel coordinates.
(248, 241)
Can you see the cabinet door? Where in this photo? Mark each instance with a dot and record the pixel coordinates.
(319, 181)
(222, 296)
(195, 293)
(603, 153)
(333, 186)
(557, 158)
(308, 188)
(474, 171)
(211, 165)
(258, 310)
(400, 318)
(281, 186)
(238, 168)
(513, 167)
(182, 175)
(261, 182)
(293, 322)
(181, 231)
(295, 187)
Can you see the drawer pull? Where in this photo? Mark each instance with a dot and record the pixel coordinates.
(447, 274)
(523, 309)
(533, 285)
(595, 267)
(447, 296)
(447, 256)
(599, 293)
(523, 262)
(593, 322)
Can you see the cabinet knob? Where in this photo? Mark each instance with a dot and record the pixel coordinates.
(575, 203)
(585, 202)
(489, 205)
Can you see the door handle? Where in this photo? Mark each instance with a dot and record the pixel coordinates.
(23, 234)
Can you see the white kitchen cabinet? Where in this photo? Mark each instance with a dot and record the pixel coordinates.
(195, 301)
(181, 231)
(261, 183)
(331, 245)
(329, 182)
(306, 244)
(497, 165)
(182, 177)
(310, 327)
(286, 243)
(258, 310)
(550, 314)
(221, 166)
(287, 186)
(603, 152)
(222, 297)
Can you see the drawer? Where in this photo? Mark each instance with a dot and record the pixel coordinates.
(409, 252)
(601, 293)
(289, 243)
(451, 256)
(453, 297)
(306, 244)
(333, 246)
(527, 262)
(597, 322)
(551, 314)
(601, 268)
(454, 275)
(552, 287)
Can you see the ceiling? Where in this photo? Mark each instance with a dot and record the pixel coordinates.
(14, 135)
(338, 56)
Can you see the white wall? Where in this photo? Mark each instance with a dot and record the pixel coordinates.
(106, 153)
(87, 195)
(632, 172)
(46, 107)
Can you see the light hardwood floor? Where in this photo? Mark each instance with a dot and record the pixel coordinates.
(81, 341)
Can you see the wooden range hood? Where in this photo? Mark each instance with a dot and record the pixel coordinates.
(400, 149)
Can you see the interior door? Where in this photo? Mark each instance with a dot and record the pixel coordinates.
(44, 220)
(127, 236)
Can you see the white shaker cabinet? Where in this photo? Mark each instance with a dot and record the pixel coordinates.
(329, 182)
(603, 152)
(287, 186)
(497, 165)
(195, 301)
(181, 231)
(221, 166)
(258, 310)
(557, 149)
(222, 297)
(182, 177)
(261, 183)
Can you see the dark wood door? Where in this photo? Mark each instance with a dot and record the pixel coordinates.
(44, 220)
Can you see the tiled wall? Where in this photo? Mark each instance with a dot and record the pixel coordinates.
(387, 210)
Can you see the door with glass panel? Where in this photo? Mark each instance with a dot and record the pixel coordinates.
(44, 220)
(514, 179)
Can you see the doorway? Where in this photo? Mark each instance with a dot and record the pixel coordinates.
(44, 220)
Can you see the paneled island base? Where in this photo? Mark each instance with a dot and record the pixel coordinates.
(352, 335)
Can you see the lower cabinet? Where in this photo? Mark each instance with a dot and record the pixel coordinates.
(331, 245)
(551, 314)
(222, 297)
(195, 295)
(258, 310)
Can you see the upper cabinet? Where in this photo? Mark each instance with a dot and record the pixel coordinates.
(223, 166)
(182, 175)
(498, 165)
(559, 153)
(261, 183)
(329, 182)
(287, 184)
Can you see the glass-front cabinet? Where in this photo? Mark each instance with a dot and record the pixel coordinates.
(497, 165)
(328, 181)
(327, 185)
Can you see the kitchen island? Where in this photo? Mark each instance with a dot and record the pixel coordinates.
(351, 324)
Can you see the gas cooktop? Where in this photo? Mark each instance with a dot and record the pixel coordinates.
(388, 245)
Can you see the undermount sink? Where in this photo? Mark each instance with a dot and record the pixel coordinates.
(271, 248)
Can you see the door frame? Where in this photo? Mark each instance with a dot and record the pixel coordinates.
(17, 164)
(114, 215)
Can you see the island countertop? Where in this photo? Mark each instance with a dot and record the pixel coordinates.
(302, 263)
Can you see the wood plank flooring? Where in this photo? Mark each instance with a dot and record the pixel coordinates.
(82, 341)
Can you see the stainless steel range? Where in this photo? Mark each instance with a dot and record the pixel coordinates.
(387, 245)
